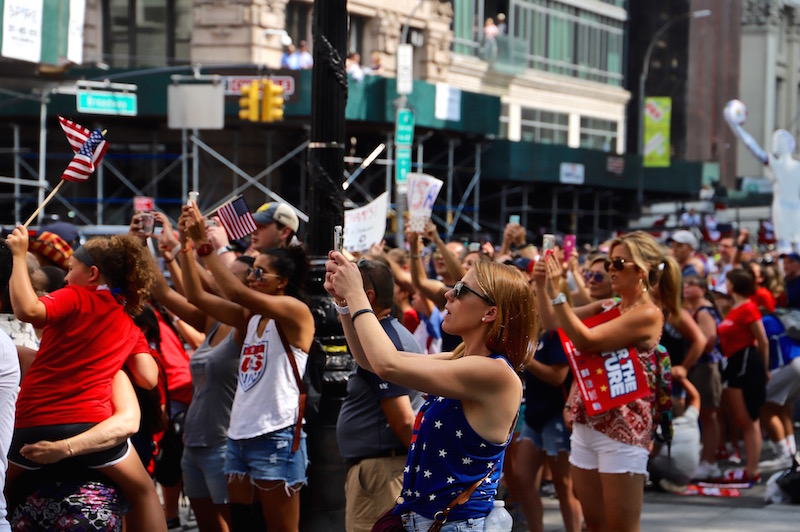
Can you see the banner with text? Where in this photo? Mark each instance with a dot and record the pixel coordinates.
(422, 192)
(657, 120)
(366, 225)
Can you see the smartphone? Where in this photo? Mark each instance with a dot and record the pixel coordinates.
(193, 195)
(211, 222)
(569, 246)
(147, 222)
(513, 219)
(548, 243)
(474, 247)
(338, 240)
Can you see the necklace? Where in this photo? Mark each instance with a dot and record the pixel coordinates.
(639, 302)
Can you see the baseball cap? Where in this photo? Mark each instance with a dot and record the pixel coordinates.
(277, 212)
(52, 247)
(65, 230)
(791, 255)
(684, 237)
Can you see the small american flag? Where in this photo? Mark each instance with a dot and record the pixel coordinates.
(236, 218)
(89, 148)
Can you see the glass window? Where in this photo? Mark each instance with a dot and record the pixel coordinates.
(503, 121)
(147, 32)
(552, 36)
(545, 127)
(298, 21)
(598, 134)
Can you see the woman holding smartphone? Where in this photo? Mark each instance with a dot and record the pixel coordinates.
(610, 449)
(461, 432)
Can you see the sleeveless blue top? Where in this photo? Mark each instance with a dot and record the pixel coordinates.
(446, 457)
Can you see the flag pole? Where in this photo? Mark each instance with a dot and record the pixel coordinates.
(44, 203)
(50, 196)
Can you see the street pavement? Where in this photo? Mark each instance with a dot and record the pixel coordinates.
(662, 512)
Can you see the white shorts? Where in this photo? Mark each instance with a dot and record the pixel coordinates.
(594, 450)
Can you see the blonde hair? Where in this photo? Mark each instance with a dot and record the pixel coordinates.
(660, 270)
(514, 329)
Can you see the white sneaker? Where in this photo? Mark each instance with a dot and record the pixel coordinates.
(707, 471)
(784, 461)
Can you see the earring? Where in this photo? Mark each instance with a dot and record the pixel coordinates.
(643, 285)
(483, 319)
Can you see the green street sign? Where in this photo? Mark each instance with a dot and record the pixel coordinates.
(106, 102)
(402, 166)
(404, 131)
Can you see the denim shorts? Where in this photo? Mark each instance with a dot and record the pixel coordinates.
(413, 522)
(268, 457)
(553, 438)
(204, 473)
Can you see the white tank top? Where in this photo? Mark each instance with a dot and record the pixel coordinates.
(266, 394)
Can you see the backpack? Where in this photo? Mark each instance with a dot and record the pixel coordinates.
(782, 347)
(790, 318)
(661, 387)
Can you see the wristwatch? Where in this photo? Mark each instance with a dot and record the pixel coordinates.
(560, 299)
(205, 249)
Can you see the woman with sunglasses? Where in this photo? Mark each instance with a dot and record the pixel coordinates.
(474, 393)
(594, 285)
(264, 454)
(610, 449)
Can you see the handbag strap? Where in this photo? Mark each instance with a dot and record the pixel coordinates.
(301, 407)
(440, 517)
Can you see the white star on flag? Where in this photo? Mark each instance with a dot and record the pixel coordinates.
(466, 461)
(406, 469)
(416, 469)
(459, 434)
(427, 473)
(489, 465)
(450, 480)
(442, 453)
(416, 494)
(432, 496)
(440, 399)
(438, 424)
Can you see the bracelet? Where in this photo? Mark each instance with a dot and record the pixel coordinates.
(414, 256)
(361, 312)
(177, 249)
(71, 452)
(224, 249)
(167, 261)
(341, 309)
(188, 247)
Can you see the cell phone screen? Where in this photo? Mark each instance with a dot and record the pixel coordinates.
(569, 246)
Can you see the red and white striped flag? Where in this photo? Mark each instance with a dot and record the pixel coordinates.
(89, 148)
(236, 218)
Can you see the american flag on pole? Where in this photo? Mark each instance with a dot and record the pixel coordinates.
(89, 148)
(236, 218)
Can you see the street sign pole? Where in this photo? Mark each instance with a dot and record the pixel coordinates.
(404, 133)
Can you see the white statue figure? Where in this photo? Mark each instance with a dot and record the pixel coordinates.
(784, 172)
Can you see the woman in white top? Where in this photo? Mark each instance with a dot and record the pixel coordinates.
(263, 450)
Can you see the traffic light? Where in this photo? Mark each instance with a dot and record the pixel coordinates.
(272, 104)
(248, 103)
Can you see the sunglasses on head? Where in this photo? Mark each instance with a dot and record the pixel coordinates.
(259, 273)
(597, 277)
(617, 264)
(460, 288)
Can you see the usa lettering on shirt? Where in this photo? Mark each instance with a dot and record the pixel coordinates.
(253, 363)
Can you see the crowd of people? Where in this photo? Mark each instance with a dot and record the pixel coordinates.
(464, 384)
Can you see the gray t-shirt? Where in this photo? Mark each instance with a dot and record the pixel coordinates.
(214, 375)
(362, 429)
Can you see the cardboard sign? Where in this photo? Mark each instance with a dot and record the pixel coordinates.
(422, 192)
(606, 380)
(366, 225)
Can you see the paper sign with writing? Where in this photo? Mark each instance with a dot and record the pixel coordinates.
(422, 192)
(606, 380)
(366, 225)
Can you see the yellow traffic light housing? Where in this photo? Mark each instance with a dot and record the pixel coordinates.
(248, 103)
(272, 103)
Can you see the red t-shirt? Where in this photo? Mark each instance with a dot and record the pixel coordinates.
(176, 364)
(411, 320)
(734, 331)
(87, 338)
(764, 298)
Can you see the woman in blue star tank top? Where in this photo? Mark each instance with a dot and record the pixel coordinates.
(461, 432)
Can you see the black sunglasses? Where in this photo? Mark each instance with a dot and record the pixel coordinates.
(597, 277)
(618, 264)
(458, 291)
(259, 273)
